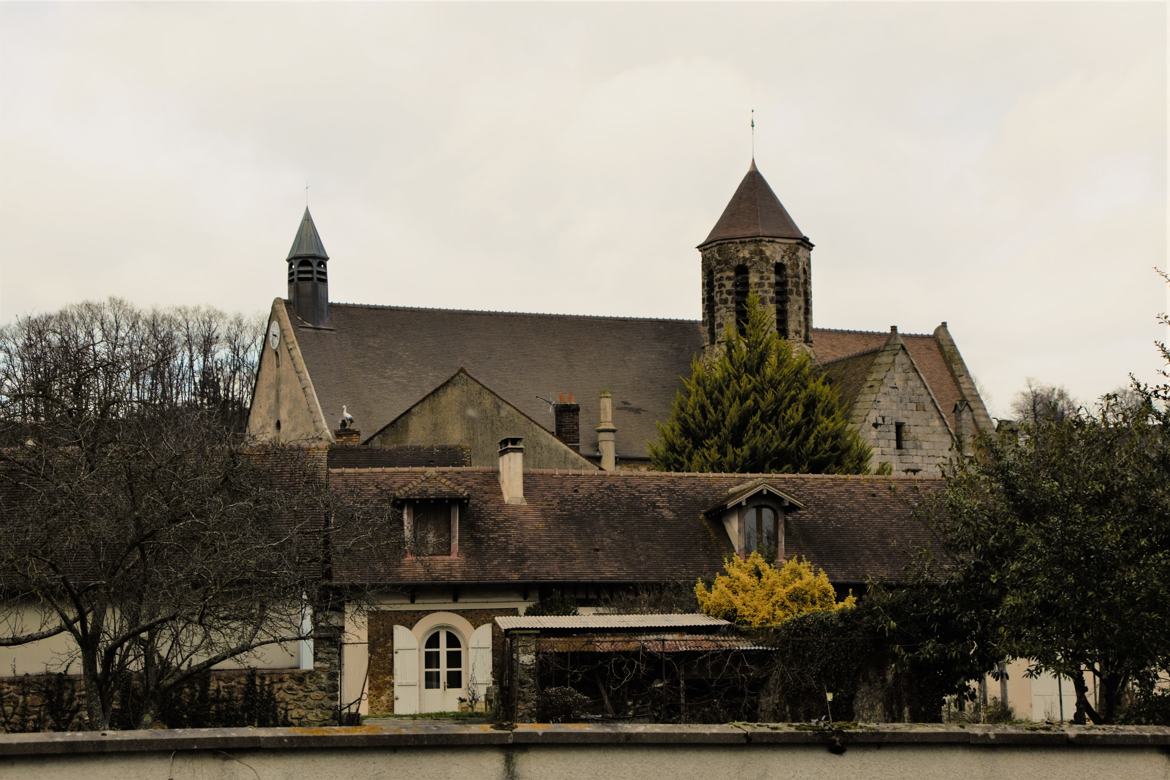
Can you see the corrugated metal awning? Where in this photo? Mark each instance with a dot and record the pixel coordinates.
(604, 622)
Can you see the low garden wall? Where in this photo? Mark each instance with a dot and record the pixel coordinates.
(422, 750)
(54, 702)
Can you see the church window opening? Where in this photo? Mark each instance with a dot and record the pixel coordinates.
(782, 300)
(709, 305)
(320, 270)
(742, 285)
(899, 435)
(806, 277)
(305, 271)
(443, 661)
(760, 531)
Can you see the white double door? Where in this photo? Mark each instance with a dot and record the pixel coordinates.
(444, 671)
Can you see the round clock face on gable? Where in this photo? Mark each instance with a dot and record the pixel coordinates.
(274, 335)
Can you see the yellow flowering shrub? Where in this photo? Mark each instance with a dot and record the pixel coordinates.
(753, 592)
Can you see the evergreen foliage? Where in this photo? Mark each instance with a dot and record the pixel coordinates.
(760, 406)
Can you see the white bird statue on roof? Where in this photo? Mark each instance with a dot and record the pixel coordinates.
(346, 419)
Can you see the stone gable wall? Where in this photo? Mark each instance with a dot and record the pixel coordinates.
(902, 396)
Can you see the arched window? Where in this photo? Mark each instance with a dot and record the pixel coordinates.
(292, 271)
(443, 661)
(320, 270)
(782, 300)
(709, 304)
(742, 285)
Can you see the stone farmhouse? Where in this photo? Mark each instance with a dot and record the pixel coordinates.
(506, 495)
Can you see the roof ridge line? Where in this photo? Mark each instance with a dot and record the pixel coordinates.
(873, 332)
(514, 313)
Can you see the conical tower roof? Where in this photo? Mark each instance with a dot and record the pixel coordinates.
(754, 211)
(307, 242)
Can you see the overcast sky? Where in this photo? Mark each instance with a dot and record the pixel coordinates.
(999, 166)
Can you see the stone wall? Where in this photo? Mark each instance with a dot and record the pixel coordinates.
(381, 646)
(760, 256)
(901, 396)
(54, 702)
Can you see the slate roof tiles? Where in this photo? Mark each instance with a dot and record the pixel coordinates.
(631, 527)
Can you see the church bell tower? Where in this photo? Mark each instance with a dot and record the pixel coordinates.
(308, 282)
(756, 247)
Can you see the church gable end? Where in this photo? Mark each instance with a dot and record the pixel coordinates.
(284, 404)
(465, 412)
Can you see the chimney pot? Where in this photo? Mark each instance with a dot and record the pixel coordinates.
(512, 469)
(606, 446)
(893, 329)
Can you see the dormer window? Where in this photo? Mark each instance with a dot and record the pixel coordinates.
(760, 531)
(753, 515)
(431, 507)
(432, 528)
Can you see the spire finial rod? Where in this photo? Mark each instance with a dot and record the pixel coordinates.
(753, 135)
(306, 193)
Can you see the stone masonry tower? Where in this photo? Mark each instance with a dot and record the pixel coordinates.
(308, 282)
(755, 247)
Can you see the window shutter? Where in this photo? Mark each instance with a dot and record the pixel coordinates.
(405, 671)
(481, 659)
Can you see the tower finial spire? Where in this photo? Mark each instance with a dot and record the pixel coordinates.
(753, 138)
(307, 191)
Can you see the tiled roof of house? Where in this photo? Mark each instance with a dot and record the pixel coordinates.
(632, 527)
(381, 360)
(849, 374)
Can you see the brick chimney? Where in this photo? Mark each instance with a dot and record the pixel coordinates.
(347, 436)
(512, 469)
(606, 445)
(567, 416)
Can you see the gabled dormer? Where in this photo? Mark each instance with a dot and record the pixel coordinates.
(430, 516)
(753, 515)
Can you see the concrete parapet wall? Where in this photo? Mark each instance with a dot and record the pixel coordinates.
(422, 750)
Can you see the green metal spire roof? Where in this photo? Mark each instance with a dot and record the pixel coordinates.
(307, 242)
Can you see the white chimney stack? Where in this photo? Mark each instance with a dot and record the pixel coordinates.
(605, 433)
(512, 469)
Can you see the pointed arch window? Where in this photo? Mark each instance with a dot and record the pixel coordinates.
(782, 300)
(742, 286)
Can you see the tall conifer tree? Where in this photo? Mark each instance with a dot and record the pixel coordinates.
(759, 406)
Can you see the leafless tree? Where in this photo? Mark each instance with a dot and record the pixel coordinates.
(135, 518)
(1043, 403)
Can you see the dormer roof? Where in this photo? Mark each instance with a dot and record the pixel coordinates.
(760, 486)
(307, 242)
(754, 211)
